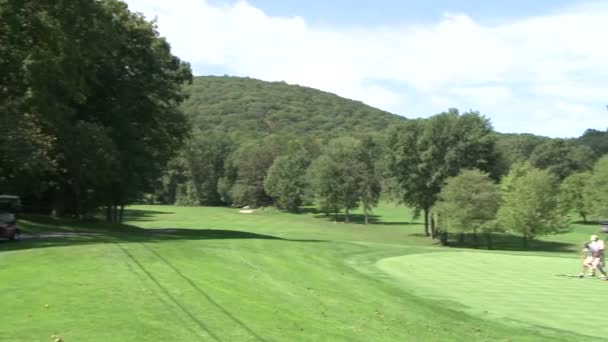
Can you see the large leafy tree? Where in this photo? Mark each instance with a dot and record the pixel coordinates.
(91, 66)
(596, 190)
(286, 180)
(468, 203)
(562, 157)
(247, 167)
(596, 140)
(370, 179)
(424, 153)
(202, 160)
(529, 203)
(572, 194)
(512, 148)
(336, 175)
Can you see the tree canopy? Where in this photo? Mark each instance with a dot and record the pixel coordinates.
(530, 203)
(469, 202)
(246, 108)
(424, 153)
(93, 92)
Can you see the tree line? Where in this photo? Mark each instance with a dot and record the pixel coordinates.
(431, 165)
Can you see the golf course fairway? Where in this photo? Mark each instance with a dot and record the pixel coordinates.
(215, 274)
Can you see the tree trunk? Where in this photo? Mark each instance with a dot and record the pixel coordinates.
(121, 212)
(444, 238)
(346, 220)
(108, 214)
(426, 221)
(58, 205)
(584, 218)
(525, 241)
(365, 214)
(114, 214)
(461, 238)
(475, 238)
(433, 228)
(77, 203)
(489, 239)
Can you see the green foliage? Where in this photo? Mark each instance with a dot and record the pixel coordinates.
(204, 157)
(513, 148)
(26, 154)
(247, 109)
(596, 140)
(530, 205)
(91, 165)
(70, 69)
(246, 112)
(286, 180)
(572, 194)
(370, 182)
(596, 191)
(424, 153)
(562, 157)
(336, 175)
(469, 202)
(248, 168)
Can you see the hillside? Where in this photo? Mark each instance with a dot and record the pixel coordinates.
(245, 107)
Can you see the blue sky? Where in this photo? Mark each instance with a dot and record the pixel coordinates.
(391, 12)
(530, 66)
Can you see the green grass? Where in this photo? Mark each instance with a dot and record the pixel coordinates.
(220, 275)
(520, 289)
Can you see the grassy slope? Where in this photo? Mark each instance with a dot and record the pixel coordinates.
(222, 275)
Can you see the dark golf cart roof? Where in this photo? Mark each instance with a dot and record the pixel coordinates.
(11, 197)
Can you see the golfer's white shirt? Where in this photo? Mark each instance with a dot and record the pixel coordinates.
(597, 245)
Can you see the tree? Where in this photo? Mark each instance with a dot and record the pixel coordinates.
(513, 148)
(596, 140)
(247, 167)
(96, 67)
(91, 165)
(286, 180)
(596, 190)
(336, 176)
(424, 153)
(572, 194)
(529, 204)
(370, 180)
(247, 109)
(469, 202)
(562, 157)
(203, 157)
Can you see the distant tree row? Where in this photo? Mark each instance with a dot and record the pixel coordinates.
(452, 168)
(528, 201)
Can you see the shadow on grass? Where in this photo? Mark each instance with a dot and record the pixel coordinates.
(353, 218)
(306, 210)
(507, 242)
(588, 223)
(142, 215)
(360, 219)
(44, 231)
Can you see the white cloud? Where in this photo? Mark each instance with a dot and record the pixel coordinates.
(509, 71)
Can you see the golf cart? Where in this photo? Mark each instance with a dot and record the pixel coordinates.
(9, 206)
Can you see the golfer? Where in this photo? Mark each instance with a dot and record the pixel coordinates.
(598, 246)
(587, 260)
(593, 253)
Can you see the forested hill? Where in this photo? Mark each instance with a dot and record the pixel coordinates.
(250, 108)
